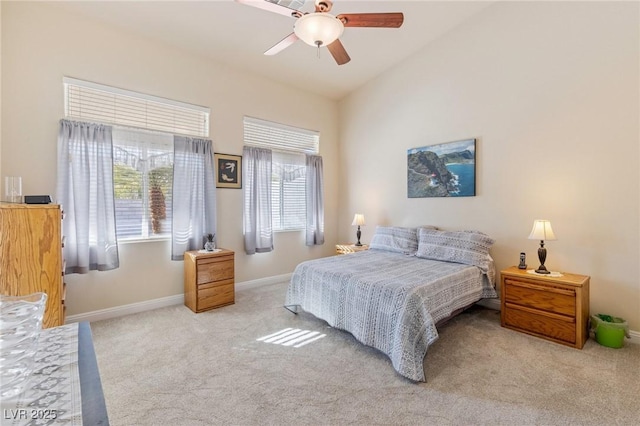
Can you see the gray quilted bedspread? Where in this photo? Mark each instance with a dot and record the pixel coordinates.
(389, 301)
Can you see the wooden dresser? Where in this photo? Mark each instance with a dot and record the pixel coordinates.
(209, 279)
(554, 308)
(31, 255)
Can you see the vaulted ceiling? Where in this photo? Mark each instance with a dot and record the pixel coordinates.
(237, 35)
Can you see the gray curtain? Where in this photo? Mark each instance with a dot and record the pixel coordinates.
(194, 195)
(85, 191)
(256, 174)
(315, 201)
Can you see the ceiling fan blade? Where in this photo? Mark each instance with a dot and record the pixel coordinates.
(271, 7)
(282, 44)
(338, 52)
(378, 20)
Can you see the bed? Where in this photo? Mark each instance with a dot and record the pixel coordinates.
(392, 296)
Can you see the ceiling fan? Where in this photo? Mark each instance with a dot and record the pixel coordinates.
(320, 28)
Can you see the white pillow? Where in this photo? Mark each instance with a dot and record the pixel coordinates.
(395, 239)
(469, 248)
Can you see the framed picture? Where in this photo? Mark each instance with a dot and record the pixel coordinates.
(444, 170)
(228, 170)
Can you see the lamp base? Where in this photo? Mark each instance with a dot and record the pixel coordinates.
(542, 270)
(542, 256)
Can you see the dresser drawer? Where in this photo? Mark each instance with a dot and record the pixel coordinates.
(211, 296)
(548, 298)
(215, 269)
(541, 323)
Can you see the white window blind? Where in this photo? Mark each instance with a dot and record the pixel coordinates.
(280, 137)
(288, 184)
(288, 191)
(89, 101)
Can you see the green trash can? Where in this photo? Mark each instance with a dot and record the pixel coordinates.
(609, 330)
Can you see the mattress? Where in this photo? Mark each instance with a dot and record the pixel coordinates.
(389, 301)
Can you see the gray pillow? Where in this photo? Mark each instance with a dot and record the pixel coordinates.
(395, 239)
(469, 248)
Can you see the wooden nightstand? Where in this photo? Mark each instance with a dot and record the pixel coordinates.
(350, 248)
(555, 309)
(208, 279)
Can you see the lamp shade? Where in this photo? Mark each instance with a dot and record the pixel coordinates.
(318, 29)
(358, 219)
(542, 231)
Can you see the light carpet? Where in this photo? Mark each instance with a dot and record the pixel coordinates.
(173, 367)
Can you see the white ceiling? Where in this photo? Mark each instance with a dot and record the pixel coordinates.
(237, 35)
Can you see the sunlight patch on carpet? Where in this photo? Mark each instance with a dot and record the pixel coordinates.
(292, 337)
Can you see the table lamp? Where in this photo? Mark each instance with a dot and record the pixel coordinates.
(358, 220)
(542, 231)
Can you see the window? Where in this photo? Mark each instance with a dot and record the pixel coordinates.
(288, 183)
(142, 181)
(143, 132)
(288, 186)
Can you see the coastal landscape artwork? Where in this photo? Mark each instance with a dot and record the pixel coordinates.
(444, 170)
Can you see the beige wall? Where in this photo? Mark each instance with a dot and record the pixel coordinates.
(551, 92)
(41, 44)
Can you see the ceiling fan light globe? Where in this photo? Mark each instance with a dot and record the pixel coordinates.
(318, 29)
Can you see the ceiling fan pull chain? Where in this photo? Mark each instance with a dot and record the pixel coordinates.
(318, 43)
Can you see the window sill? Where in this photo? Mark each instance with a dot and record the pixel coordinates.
(143, 240)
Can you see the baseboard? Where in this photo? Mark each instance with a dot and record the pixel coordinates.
(635, 337)
(177, 299)
(276, 279)
(132, 308)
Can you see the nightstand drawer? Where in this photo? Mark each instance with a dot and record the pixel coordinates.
(547, 298)
(540, 323)
(215, 269)
(210, 296)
